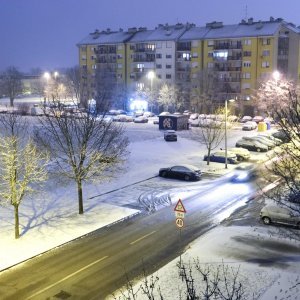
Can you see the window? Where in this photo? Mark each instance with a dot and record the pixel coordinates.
(120, 47)
(83, 48)
(246, 75)
(169, 44)
(168, 66)
(120, 56)
(195, 55)
(265, 64)
(120, 66)
(83, 57)
(210, 43)
(246, 86)
(94, 67)
(194, 43)
(120, 76)
(266, 53)
(92, 57)
(194, 75)
(158, 55)
(168, 76)
(140, 66)
(186, 56)
(194, 64)
(247, 53)
(158, 45)
(168, 55)
(210, 54)
(158, 76)
(210, 65)
(266, 41)
(247, 42)
(247, 64)
(158, 66)
(93, 49)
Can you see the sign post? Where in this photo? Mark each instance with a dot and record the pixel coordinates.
(179, 215)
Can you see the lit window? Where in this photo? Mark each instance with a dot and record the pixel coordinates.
(247, 42)
(247, 64)
(195, 55)
(210, 43)
(194, 43)
(246, 75)
(266, 53)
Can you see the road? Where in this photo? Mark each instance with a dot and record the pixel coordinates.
(95, 266)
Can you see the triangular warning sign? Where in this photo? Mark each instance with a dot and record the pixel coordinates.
(179, 207)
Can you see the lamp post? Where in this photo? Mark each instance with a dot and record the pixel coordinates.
(230, 100)
(151, 76)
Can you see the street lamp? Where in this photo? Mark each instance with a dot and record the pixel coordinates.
(151, 76)
(230, 100)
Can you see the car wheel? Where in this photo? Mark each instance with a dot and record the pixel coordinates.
(266, 220)
(164, 174)
(258, 149)
(186, 177)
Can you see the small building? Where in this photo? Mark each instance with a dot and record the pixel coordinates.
(174, 122)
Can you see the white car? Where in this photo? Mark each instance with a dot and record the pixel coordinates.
(275, 214)
(241, 153)
(249, 125)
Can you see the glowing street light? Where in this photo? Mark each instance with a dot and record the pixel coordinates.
(151, 76)
(230, 100)
(47, 76)
(276, 75)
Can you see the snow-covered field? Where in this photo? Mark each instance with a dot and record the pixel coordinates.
(50, 218)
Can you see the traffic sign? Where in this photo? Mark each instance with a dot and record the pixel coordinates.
(179, 214)
(179, 207)
(179, 222)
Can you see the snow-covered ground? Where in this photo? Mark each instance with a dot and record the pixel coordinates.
(49, 218)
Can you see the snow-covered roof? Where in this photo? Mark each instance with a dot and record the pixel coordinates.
(217, 30)
(184, 32)
(161, 33)
(106, 37)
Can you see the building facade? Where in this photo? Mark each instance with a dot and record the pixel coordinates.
(207, 64)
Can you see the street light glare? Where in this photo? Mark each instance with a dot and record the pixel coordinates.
(276, 75)
(151, 75)
(47, 75)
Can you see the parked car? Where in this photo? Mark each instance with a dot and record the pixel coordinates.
(244, 172)
(37, 111)
(184, 172)
(258, 119)
(275, 214)
(170, 135)
(251, 145)
(140, 119)
(194, 116)
(232, 118)
(249, 125)
(245, 119)
(122, 118)
(219, 157)
(242, 154)
(148, 114)
(282, 135)
(164, 113)
(261, 140)
(270, 137)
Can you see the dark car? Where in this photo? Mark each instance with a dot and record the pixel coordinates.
(184, 172)
(282, 135)
(170, 135)
(220, 157)
(251, 145)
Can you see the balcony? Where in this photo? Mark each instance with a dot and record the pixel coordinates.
(220, 46)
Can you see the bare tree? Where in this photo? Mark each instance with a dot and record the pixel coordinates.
(210, 133)
(200, 281)
(11, 83)
(82, 147)
(21, 165)
(202, 99)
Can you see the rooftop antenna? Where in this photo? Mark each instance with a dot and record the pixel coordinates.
(246, 12)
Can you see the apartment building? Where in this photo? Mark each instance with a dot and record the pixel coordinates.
(224, 61)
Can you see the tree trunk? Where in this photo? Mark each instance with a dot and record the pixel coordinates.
(17, 232)
(80, 198)
(11, 101)
(208, 156)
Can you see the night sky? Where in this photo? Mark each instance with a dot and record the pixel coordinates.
(43, 33)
